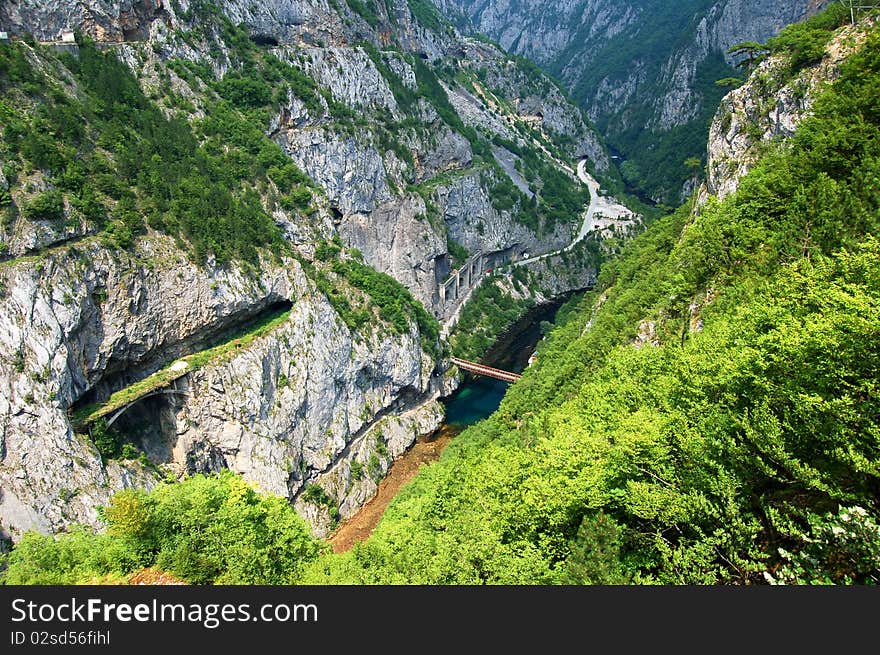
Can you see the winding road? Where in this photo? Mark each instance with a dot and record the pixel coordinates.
(586, 224)
(601, 214)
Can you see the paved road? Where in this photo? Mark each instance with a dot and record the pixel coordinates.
(601, 214)
(586, 224)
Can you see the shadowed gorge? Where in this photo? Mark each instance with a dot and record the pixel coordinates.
(230, 235)
(645, 71)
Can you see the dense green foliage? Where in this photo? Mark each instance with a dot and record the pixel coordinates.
(46, 206)
(396, 305)
(386, 297)
(504, 298)
(197, 165)
(114, 148)
(426, 14)
(487, 315)
(655, 159)
(804, 43)
(205, 530)
(366, 9)
(559, 199)
(741, 452)
(742, 446)
(457, 252)
(111, 442)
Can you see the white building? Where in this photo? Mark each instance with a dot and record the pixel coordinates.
(4, 36)
(67, 36)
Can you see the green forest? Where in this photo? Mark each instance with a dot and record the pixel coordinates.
(656, 159)
(743, 447)
(747, 451)
(123, 165)
(742, 452)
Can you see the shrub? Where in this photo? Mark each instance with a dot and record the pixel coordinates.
(205, 529)
(805, 42)
(47, 206)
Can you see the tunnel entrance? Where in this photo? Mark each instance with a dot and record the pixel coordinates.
(265, 40)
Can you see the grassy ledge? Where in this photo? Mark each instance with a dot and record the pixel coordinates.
(214, 355)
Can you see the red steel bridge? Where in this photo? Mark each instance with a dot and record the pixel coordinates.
(480, 369)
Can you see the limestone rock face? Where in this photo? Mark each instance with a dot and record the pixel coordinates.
(473, 222)
(85, 319)
(450, 152)
(350, 75)
(291, 408)
(353, 174)
(129, 20)
(577, 38)
(541, 104)
(725, 25)
(768, 107)
(110, 21)
(83, 323)
(310, 401)
(398, 238)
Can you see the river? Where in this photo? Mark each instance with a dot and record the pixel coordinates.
(475, 399)
(478, 397)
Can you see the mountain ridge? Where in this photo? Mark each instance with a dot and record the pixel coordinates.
(184, 172)
(644, 71)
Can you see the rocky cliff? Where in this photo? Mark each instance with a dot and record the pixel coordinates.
(137, 345)
(283, 408)
(643, 70)
(767, 109)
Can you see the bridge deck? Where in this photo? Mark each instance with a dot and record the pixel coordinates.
(481, 369)
(125, 398)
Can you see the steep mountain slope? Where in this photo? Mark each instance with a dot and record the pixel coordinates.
(710, 413)
(226, 227)
(644, 70)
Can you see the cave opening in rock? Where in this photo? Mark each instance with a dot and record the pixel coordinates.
(265, 40)
(123, 372)
(150, 425)
(139, 33)
(442, 268)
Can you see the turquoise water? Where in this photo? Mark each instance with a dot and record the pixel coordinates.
(475, 400)
(478, 397)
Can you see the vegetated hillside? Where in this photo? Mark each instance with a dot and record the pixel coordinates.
(223, 232)
(644, 70)
(708, 415)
